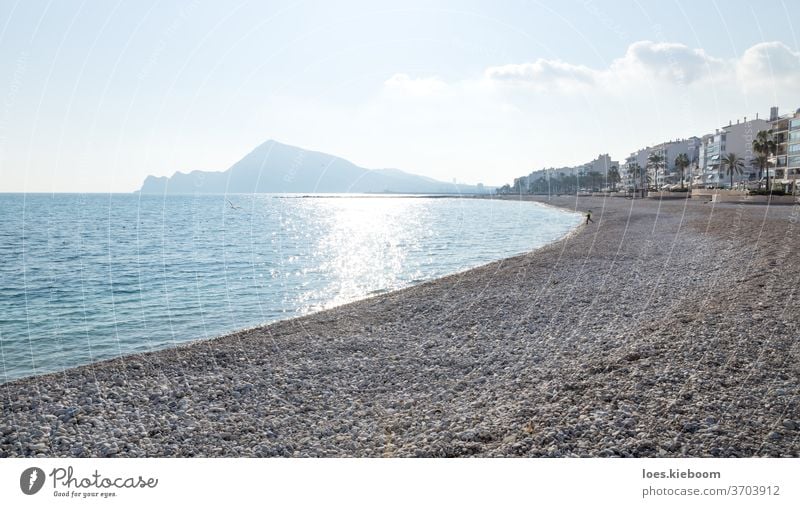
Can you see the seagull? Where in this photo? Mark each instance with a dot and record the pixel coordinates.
(232, 205)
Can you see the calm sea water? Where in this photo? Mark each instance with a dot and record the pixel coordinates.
(90, 277)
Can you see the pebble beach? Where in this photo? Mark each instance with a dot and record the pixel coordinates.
(663, 329)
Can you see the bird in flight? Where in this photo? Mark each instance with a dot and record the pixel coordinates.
(232, 205)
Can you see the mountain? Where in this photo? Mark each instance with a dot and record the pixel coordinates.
(276, 167)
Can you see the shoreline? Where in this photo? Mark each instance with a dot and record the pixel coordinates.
(370, 295)
(582, 347)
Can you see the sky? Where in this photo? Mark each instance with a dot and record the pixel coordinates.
(95, 95)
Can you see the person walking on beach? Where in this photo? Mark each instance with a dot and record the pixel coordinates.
(589, 217)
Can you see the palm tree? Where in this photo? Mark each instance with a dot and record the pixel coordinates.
(655, 161)
(613, 177)
(682, 162)
(734, 164)
(761, 162)
(647, 178)
(580, 181)
(595, 178)
(633, 172)
(765, 145)
(639, 174)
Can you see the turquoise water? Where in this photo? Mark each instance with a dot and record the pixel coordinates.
(90, 277)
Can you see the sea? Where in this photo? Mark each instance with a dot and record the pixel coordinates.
(87, 277)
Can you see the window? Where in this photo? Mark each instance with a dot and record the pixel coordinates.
(794, 161)
(794, 148)
(794, 124)
(794, 136)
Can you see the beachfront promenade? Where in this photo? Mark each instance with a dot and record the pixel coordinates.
(665, 328)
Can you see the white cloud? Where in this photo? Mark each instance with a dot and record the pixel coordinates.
(543, 74)
(675, 62)
(665, 63)
(768, 63)
(643, 60)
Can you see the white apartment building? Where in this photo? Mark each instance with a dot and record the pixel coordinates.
(667, 174)
(707, 149)
(521, 185)
(786, 161)
(602, 164)
(734, 138)
(638, 157)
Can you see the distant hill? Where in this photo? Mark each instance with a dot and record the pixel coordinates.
(276, 167)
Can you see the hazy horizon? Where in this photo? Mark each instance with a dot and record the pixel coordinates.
(96, 96)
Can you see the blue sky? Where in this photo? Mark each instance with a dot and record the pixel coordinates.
(96, 95)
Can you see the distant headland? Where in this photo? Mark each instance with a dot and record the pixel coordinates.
(275, 167)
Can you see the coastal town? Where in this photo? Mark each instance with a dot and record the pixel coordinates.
(750, 156)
